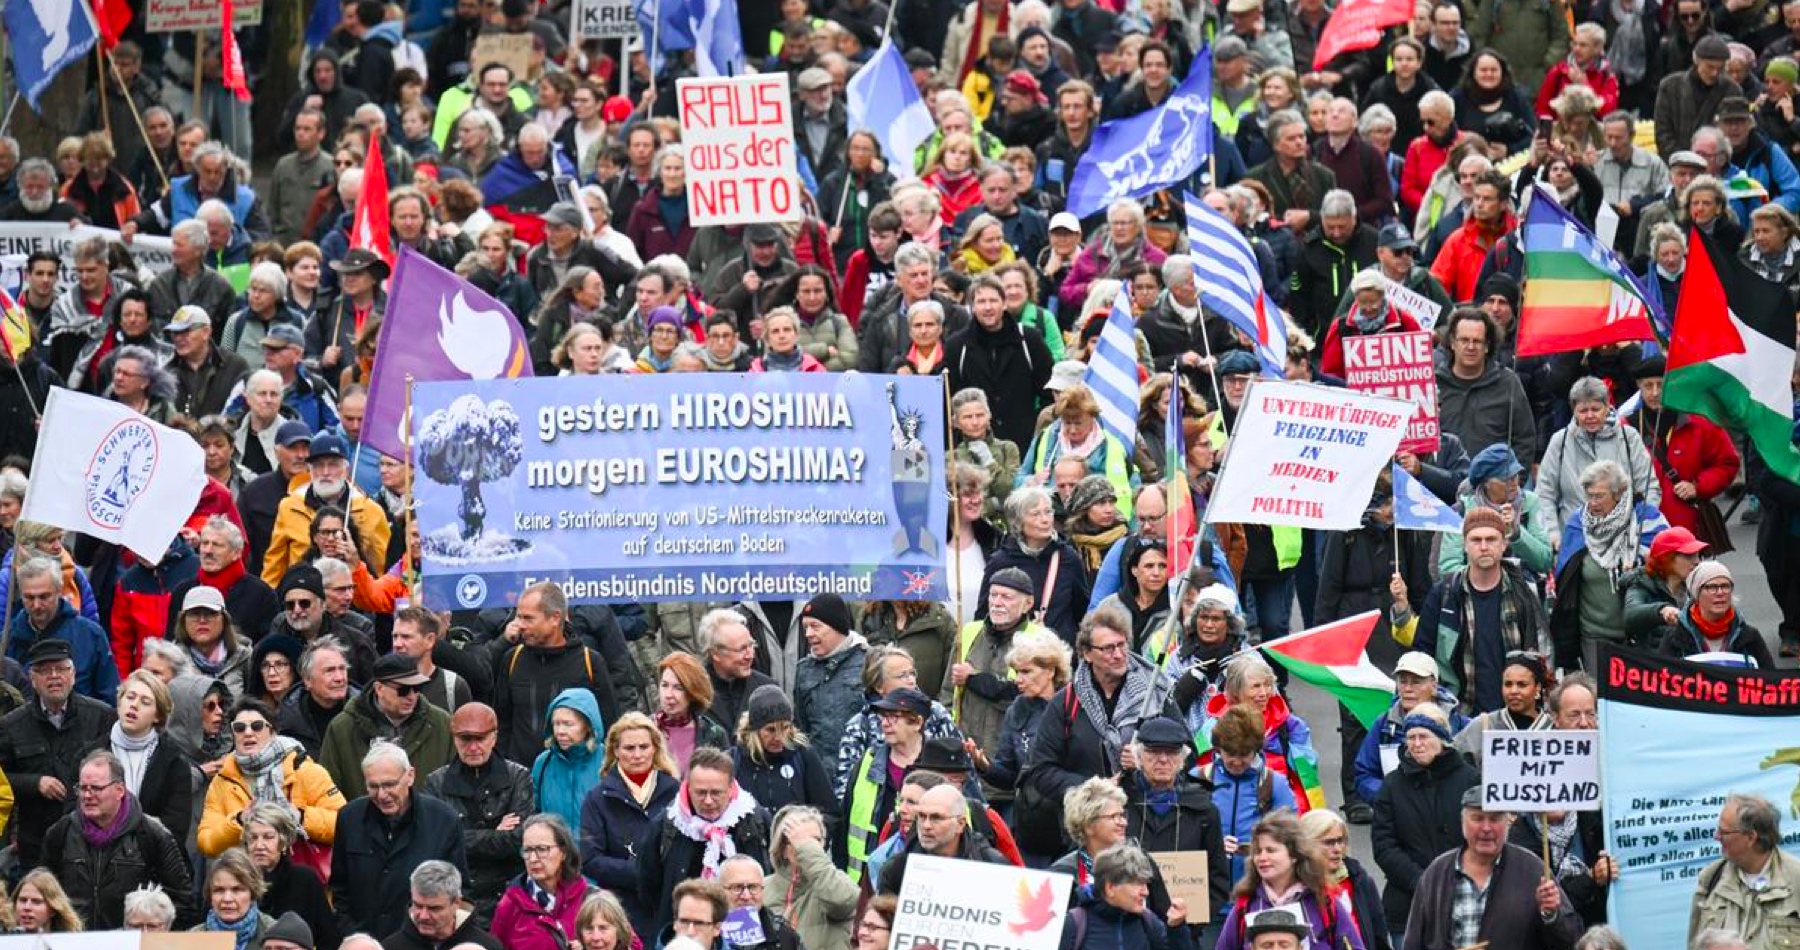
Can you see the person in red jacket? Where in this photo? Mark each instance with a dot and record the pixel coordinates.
(1428, 152)
(1370, 314)
(1458, 264)
(1586, 65)
(871, 268)
(140, 606)
(1694, 458)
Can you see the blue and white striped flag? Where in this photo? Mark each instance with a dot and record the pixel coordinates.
(882, 99)
(1231, 284)
(1112, 372)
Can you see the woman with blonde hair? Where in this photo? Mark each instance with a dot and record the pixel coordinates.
(233, 886)
(775, 761)
(1345, 876)
(1040, 665)
(156, 772)
(1773, 250)
(983, 246)
(816, 898)
(41, 906)
(954, 174)
(637, 783)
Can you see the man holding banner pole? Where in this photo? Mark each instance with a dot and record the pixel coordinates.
(1489, 893)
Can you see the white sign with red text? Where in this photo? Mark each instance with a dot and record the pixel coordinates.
(739, 135)
(1398, 365)
(1306, 456)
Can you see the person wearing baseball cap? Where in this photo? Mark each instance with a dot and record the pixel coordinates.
(828, 690)
(328, 470)
(391, 709)
(1378, 752)
(1495, 596)
(1656, 597)
(204, 374)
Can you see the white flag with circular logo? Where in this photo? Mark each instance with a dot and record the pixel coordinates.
(108, 472)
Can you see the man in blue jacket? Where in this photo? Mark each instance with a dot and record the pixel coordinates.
(47, 615)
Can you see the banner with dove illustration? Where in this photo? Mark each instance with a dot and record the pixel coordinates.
(681, 486)
(438, 327)
(1661, 811)
(945, 902)
(47, 36)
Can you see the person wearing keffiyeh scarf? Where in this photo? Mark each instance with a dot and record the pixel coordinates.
(1603, 542)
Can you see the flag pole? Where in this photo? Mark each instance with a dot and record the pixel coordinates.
(651, 54)
(955, 494)
(412, 581)
(1212, 369)
(100, 87)
(131, 104)
(199, 75)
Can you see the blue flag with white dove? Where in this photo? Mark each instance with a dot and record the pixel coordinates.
(47, 37)
(1136, 156)
(882, 99)
(1417, 509)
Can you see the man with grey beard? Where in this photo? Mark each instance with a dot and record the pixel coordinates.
(37, 199)
(328, 466)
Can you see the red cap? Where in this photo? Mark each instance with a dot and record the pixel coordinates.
(1022, 83)
(1676, 541)
(617, 109)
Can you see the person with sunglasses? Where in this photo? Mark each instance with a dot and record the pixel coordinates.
(390, 709)
(264, 766)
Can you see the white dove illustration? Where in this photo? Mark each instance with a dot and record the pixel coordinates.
(477, 342)
(53, 15)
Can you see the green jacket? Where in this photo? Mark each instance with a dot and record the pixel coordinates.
(425, 735)
(459, 98)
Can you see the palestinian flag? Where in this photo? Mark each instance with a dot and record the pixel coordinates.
(1732, 353)
(1332, 657)
(1578, 294)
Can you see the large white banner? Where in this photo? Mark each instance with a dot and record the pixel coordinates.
(1306, 455)
(739, 136)
(966, 905)
(19, 240)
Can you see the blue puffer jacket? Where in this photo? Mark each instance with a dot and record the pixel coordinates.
(1239, 810)
(563, 777)
(1369, 773)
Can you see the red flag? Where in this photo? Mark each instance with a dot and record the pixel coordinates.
(232, 72)
(1357, 24)
(369, 226)
(113, 17)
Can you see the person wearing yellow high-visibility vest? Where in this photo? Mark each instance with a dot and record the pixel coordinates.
(874, 786)
(979, 685)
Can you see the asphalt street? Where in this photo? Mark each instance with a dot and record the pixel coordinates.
(1320, 710)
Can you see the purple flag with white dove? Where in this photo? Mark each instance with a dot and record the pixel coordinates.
(438, 327)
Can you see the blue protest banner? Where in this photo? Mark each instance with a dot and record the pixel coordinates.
(1661, 811)
(702, 487)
